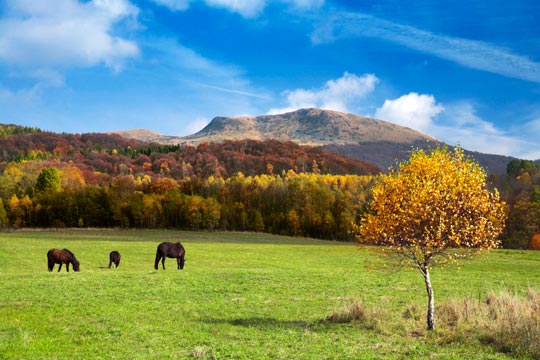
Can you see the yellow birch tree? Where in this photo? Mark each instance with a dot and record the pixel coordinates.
(428, 207)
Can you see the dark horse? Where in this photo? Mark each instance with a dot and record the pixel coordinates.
(114, 258)
(56, 256)
(171, 250)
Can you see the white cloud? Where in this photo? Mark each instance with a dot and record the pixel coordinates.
(52, 33)
(412, 110)
(464, 127)
(530, 132)
(334, 95)
(477, 139)
(464, 116)
(246, 8)
(470, 53)
(461, 125)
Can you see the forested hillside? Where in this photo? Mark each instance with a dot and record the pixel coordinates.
(112, 154)
(100, 180)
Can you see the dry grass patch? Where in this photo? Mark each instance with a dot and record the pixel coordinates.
(356, 311)
(509, 322)
(199, 352)
(504, 321)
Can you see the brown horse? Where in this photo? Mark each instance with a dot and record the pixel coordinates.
(56, 256)
(170, 250)
(114, 258)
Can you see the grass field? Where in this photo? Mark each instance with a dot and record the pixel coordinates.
(240, 296)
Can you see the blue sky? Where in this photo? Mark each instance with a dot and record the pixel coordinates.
(466, 72)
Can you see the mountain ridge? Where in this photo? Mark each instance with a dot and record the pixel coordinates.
(311, 126)
(377, 141)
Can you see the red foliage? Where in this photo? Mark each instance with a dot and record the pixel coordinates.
(113, 154)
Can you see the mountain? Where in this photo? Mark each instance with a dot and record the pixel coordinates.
(366, 139)
(147, 136)
(307, 127)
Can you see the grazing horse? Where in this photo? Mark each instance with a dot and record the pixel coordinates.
(56, 256)
(171, 250)
(114, 258)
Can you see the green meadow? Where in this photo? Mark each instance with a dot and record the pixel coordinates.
(241, 296)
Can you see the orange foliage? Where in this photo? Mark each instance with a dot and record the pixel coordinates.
(72, 178)
(432, 203)
(534, 244)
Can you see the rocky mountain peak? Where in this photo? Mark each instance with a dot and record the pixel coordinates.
(307, 127)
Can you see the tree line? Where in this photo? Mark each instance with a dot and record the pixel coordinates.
(298, 204)
(520, 188)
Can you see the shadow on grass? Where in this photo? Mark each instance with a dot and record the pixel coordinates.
(157, 236)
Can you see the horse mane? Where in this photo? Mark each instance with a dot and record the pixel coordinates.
(70, 253)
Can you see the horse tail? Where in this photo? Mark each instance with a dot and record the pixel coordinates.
(158, 257)
(50, 260)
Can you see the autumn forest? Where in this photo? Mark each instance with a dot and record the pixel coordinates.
(105, 180)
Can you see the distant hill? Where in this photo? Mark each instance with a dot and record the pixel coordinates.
(357, 137)
(148, 136)
(113, 154)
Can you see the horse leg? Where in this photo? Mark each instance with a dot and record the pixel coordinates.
(110, 263)
(178, 263)
(163, 262)
(67, 267)
(60, 267)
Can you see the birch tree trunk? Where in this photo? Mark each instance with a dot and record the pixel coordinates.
(431, 299)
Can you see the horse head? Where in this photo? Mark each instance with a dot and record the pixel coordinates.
(76, 265)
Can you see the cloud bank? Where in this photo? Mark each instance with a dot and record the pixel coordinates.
(58, 33)
(458, 124)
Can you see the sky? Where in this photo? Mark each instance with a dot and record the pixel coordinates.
(464, 71)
